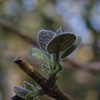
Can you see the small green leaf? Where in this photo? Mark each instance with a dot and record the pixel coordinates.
(60, 42)
(45, 68)
(28, 97)
(21, 92)
(38, 89)
(33, 95)
(40, 55)
(55, 72)
(73, 47)
(37, 98)
(60, 69)
(28, 86)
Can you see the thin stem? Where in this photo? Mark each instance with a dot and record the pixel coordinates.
(57, 56)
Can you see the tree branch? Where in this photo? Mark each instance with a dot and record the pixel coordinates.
(10, 27)
(91, 67)
(50, 89)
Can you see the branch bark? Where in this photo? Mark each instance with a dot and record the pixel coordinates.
(50, 89)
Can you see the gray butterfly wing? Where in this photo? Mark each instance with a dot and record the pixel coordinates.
(44, 36)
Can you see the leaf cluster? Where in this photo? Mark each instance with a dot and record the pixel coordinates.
(57, 45)
(28, 92)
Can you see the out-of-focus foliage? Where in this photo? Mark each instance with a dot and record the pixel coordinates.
(81, 17)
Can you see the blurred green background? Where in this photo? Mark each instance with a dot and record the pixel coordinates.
(82, 17)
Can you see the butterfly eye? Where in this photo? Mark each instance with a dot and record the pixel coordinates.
(44, 36)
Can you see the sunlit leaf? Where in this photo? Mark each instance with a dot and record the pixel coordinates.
(33, 95)
(28, 86)
(44, 36)
(28, 97)
(73, 47)
(40, 55)
(60, 42)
